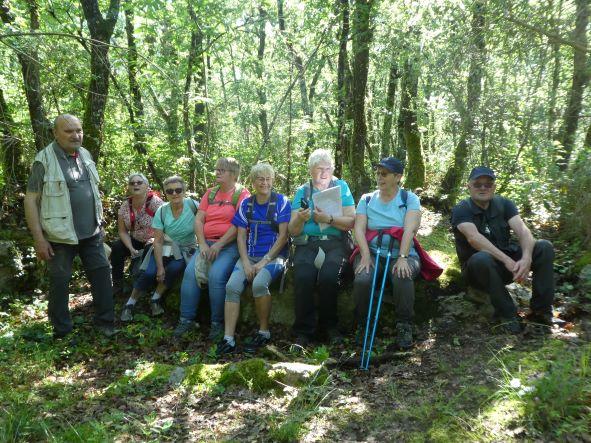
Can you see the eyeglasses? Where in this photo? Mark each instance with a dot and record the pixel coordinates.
(137, 183)
(171, 191)
(220, 171)
(486, 185)
(264, 179)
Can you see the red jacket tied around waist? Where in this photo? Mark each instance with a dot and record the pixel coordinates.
(430, 269)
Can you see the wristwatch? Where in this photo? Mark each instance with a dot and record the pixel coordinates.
(403, 255)
(331, 220)
(267, 257)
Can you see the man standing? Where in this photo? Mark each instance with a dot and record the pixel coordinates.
(490, 259)
(64, 214)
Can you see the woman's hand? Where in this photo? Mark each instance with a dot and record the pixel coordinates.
(203, 250)
(364, 264)
(402, 268)
(134, 252)
(320, 216)
(304, 215)
(160, 274)
(213, 251)
(249, 271)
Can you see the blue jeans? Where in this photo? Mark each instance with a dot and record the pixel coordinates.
(172, 270)
(219, 273)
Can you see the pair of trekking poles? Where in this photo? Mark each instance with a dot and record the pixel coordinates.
(367, 347)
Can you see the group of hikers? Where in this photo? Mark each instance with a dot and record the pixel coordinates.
(232, 238)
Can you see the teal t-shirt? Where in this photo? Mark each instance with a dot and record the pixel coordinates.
(179, 229)
(382, 215)
(311, 227)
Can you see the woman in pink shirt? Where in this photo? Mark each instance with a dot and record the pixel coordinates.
(217, 247)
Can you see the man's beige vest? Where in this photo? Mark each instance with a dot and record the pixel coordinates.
(55, 208)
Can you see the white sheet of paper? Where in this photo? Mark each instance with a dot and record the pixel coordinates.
(330, 202)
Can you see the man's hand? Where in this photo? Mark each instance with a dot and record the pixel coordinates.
(364, 264)
(43, 249)
(402, 268)
(521, 269)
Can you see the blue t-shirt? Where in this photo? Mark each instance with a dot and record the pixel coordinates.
(261, 236)
(311, 227)
(181, 228)
(382, 215)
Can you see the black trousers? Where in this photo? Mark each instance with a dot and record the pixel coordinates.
(489, 275)
(325, 280)
(96, 266)
(119, 253)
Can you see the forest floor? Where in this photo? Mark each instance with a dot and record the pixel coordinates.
(462, 381)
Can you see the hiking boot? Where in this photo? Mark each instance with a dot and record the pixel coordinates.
(334, 336)
(184, 327)
(510, 325)
(216, 332)
(127, 313)
(255, 342)
(404, 335)
(107, 331)
(156, 306)
(224, 348)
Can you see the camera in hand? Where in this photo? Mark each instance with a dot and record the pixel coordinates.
(304, 203)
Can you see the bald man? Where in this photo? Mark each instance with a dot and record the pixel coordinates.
(64, 214)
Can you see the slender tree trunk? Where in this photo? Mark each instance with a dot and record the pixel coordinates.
(342, 143)
(452, 180)
(28, 58)
(362, 34)
(200, 109)
(101, 29)
(299, 64)
(552, 113)
(568, 130)
(188, 127)
(136, 114)
(13, 168)
(389, 108)
(262, 95)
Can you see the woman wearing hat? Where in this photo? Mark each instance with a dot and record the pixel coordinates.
(396, 213)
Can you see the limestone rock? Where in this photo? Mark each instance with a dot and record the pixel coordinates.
(294, 373)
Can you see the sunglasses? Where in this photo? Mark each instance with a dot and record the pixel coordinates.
(383, 173)
(171, 191)
(138, 183)
(482, 185)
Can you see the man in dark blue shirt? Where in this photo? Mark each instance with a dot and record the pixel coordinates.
(489, 257)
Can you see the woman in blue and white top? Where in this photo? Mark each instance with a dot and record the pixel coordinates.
(262, 222)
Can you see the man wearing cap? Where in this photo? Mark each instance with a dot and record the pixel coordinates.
(490, 259)
(64, 213)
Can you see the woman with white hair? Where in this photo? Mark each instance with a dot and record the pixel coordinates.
(134, 221)
(261, 221)
(320, 254)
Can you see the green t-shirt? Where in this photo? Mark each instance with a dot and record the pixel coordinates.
(179, 229)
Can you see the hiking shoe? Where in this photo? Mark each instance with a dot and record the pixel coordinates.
(224, 348)
(156, 306)
(184, 327)
(334, 336)
(258, 340)
(510, 325)
(216, 332)
(107, 331)
(404, 335)
(127, 313)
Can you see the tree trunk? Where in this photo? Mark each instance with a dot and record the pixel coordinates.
(29, 61)
(389, 108)
(415, 168)
(297, 61)
(200, 108)
(362, 34)
(262, 95)
(452, 180)
(188, 127)
(568, 130)
(342, 143)
(101, 30)
(13, 168)
(136, 114)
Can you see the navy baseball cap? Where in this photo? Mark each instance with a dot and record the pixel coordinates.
(391, 164)
(480, 171)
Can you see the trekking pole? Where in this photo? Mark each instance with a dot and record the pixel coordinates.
(371, 297)
(379, 304)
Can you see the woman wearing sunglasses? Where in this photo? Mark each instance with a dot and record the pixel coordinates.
(217, 248)
(134, 221)
(174, 242)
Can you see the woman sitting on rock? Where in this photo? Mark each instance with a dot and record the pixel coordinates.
(134, 221)
(262, 242)
(174, 242)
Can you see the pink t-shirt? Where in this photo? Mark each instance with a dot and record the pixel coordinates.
(142, 225)
(218, 215)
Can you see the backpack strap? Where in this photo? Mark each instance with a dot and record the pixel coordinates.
(403, 196)
(235, 196)
(270, 215)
